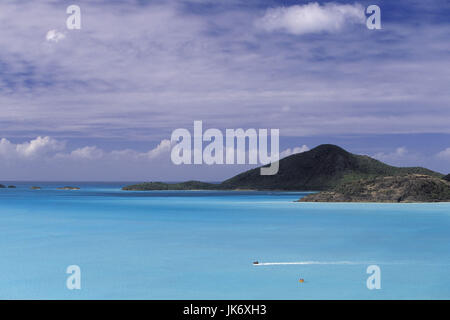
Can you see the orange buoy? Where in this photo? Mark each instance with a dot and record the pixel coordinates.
(301, 280)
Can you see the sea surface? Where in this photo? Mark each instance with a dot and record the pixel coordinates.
(202, 245)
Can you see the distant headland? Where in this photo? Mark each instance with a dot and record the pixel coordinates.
(326, 168)
(408, 188)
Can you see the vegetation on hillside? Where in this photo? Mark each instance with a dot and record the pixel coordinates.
(407, 188)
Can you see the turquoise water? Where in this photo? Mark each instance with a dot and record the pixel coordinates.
(201, 245)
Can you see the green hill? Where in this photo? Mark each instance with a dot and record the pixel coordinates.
(321, 168)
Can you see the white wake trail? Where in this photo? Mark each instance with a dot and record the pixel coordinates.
(308, 263)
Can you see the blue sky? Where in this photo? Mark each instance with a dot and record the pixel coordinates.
(100, 103)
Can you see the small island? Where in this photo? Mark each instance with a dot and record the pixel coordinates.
(2, 186)
(188, 185)
(68, 188)
(394, 189)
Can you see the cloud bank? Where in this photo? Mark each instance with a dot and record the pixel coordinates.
(49, 148)
(137, 70)
(41, 146)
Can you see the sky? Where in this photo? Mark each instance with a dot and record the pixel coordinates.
(100, 103)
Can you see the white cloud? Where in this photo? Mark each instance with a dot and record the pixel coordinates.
(29, 150)
(36, 147)
(399, 154)
(311, 18)
(295, 150)
(54, 36)
(403, 157)
(89, 153)
(7, 149)
(39, 146)
(161, 148)
(444, 154)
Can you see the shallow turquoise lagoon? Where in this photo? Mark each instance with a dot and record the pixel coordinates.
(201, 245)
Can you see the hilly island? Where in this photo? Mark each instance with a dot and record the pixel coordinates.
(340, 175)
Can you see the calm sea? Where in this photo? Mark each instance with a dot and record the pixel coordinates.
(202, 245)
